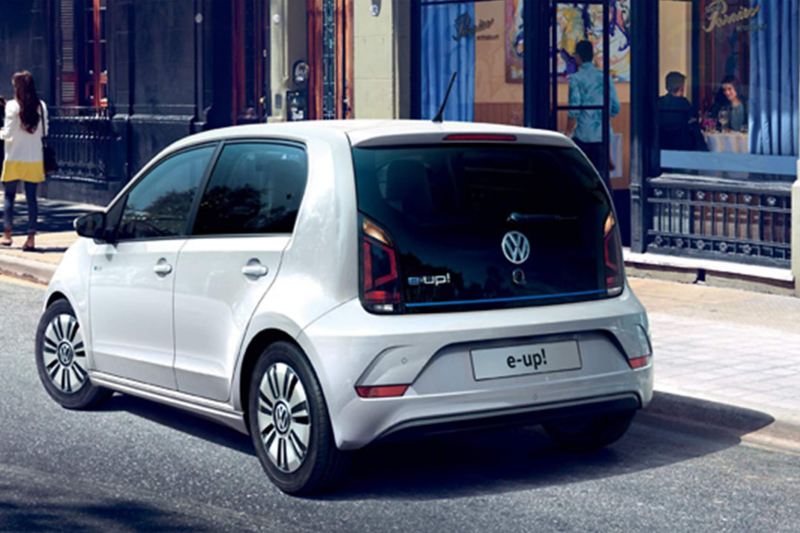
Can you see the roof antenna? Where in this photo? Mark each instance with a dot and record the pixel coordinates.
(440, 115)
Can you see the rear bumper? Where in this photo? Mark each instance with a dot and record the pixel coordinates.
(432, 354)
(516, 416)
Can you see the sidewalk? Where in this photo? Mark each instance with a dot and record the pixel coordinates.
(727, 346)
(55, 235)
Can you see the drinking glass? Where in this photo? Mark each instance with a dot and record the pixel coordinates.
(724, 118)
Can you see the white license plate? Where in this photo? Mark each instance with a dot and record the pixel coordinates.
(525, 359)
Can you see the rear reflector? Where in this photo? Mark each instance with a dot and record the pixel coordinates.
(383, 391)
(480, 137)
(638, 362)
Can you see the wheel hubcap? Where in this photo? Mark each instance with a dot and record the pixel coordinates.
(284, 420)
(64, 352)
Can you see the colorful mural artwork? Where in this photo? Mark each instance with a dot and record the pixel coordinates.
(578, 21)
(515, 42)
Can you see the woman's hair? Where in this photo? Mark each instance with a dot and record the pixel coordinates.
(730, 80)
(25, 94)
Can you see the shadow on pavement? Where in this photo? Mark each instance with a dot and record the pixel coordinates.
(24, 508)
(182, 421)
(54, 216)
(497, 460)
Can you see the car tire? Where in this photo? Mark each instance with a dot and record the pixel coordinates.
(589, 434)
(61, 359)
(290, 425)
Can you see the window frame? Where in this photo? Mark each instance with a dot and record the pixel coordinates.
(115, 211)
(209, 174)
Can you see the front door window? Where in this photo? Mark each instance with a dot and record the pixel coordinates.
(159, 205)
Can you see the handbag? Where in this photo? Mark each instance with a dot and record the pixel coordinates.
(48, 153)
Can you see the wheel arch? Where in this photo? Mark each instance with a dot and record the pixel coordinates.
(54, 297)
(256, 346)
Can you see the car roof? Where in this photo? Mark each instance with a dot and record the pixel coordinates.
(361, 132)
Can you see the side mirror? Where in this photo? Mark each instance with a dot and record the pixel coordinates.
(92, 226)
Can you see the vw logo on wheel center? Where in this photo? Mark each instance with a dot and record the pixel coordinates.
(516, 247)
(282, 418)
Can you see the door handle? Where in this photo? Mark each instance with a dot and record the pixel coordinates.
(162, 268)
(255, 269)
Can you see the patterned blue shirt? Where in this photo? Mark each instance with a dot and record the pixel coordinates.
(586, 88)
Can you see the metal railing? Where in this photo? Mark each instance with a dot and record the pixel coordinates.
(748, 222)
(84, 140)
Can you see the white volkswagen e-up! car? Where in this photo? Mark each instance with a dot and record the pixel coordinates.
(321, 286)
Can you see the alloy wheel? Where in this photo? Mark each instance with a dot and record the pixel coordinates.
(284, 420)
(64, 351)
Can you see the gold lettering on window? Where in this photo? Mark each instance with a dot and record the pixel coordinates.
(718, 16)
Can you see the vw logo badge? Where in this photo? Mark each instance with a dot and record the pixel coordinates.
(516, 247)
(282, 418)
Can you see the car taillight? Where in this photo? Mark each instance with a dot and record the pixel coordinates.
(382, 391)
(612, 257)
(380, 289)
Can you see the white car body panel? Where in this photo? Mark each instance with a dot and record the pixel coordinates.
(214, 302)
(130, 308)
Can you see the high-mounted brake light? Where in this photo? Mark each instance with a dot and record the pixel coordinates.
(481, 137)
(380, 290)
(382, 391)
(612, 257)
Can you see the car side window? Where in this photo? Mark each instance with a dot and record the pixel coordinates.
(161, 203)
(255, 188)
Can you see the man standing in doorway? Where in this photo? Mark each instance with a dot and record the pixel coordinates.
(586, 89)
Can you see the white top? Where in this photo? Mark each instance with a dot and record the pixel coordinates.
(21, 145)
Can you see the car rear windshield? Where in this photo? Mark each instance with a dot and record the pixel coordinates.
(482, 226)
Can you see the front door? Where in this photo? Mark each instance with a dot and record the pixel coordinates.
(330, 51)
(132, 281)
(244, 222)
(250, 49)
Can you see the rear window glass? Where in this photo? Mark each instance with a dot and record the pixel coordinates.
(449, 207)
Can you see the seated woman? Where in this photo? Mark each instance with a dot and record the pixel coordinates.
(730, 101)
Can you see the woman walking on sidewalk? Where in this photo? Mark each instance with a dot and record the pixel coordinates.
(22, 133)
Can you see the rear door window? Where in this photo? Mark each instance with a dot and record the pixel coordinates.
(255, 188)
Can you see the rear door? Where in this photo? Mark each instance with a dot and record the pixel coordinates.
(244, 222)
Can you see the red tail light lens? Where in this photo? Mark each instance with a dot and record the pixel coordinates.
(384, 391)
(380, 290)
(638, 362)
(612, 257)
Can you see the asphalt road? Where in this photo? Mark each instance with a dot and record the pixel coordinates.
(135, 465)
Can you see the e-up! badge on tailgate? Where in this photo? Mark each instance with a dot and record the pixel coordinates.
(526, 359)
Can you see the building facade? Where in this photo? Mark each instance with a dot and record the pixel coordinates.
(706, 172)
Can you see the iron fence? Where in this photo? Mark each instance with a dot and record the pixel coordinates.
(84, 141)
(748, 222)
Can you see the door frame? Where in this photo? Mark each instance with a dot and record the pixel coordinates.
(342, 21)
(258, 64)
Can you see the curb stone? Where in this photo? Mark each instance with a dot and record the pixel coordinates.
(750, 425)
(36, 271)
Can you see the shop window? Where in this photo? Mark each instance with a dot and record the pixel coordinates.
(729, 87)
(483, 42)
